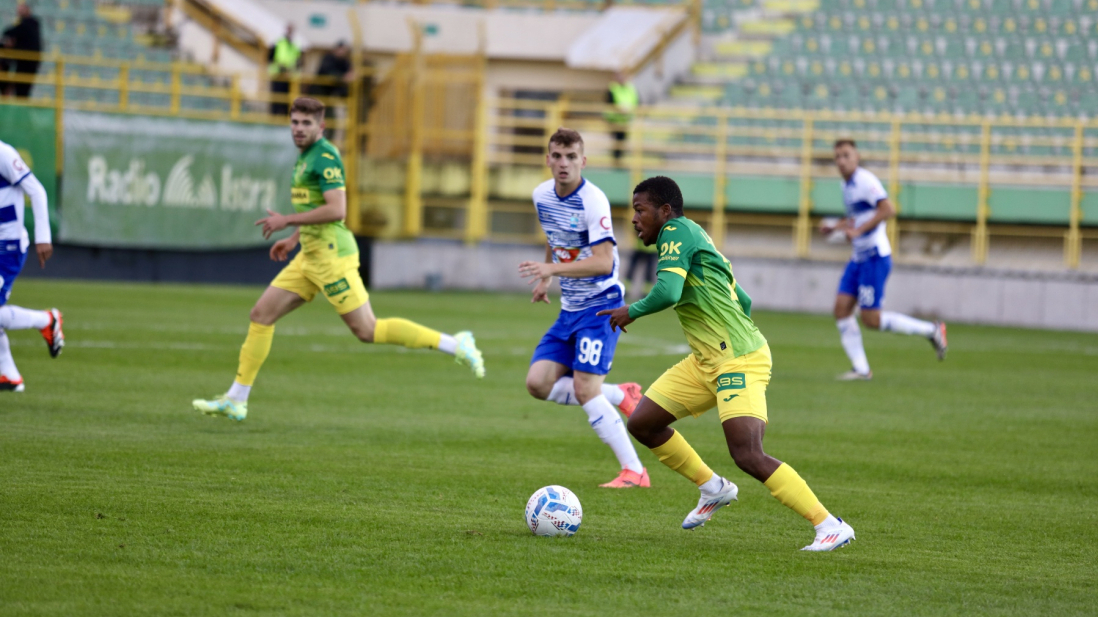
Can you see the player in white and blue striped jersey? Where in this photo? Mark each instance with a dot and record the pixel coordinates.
(570, 363)
(863, 282)
(16, 184)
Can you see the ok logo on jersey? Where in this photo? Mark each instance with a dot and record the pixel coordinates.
(670, 248)
(333, 174)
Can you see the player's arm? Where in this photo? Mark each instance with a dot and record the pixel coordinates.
(885, 210)
(745, 300)
(666, 293)
(43, 240)
(334, 209)
(600, 262)
(541, 291)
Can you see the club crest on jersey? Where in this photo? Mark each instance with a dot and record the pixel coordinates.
(565, 256)
(574, 221)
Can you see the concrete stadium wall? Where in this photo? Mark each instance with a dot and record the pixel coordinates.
(1061, 301)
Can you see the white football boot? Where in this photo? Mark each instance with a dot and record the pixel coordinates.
(710, 503)
(853, 375)
(831, 537)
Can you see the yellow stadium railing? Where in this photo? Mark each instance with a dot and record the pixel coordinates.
(433, 156)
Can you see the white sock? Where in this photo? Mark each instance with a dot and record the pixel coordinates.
(611, 430)
(613, 393)
(713, 485)
(898, 322)
(7, 363)
(447, 344)
(851, 336)
(564, 392)
(239, 392)
(828, 523)
(18, 318)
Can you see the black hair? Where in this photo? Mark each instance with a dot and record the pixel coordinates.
(845, 142)
(662, 190)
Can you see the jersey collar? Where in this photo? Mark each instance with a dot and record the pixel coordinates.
(315, 144)
(582, 182)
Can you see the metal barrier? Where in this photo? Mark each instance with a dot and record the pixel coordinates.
(424, 146)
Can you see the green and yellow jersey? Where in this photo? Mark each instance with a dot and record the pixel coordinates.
(318, 169)
(716, 325)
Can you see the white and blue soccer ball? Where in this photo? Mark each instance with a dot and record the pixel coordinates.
(554, 511)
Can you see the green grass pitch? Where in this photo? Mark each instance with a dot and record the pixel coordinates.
(371, 480)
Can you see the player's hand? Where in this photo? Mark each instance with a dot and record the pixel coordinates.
(851, 233)
(280, 251)
(541, 292)
(619, 317)
(272, 224)
(535, 271)
(45, 251)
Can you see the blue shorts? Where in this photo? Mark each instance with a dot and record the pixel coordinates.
(11, 263)
(581, 340)
(865, 280)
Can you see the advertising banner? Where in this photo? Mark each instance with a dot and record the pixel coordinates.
(172, 183)
(33, 132)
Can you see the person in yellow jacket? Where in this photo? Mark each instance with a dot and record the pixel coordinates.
(284, 61)
(622, 94)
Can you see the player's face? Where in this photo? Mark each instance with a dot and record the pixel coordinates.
(566, 163)
(648, 218)
(306, 129)
(846, 159)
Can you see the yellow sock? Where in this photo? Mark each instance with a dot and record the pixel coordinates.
(398, 331)
(678, 455)
(254, 352)
(787, 486)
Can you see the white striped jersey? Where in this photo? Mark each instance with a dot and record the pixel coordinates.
(12, 173)
(861, 194)
(573, 224)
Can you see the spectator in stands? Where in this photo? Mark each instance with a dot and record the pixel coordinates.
(25, 35)
(622, 94)
(6, 64)
(285, 61)
(336, 64)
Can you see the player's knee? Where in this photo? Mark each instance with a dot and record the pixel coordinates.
(364, 332)
(260, 316)
(749, 459)
(871, 319)
(537, 388)
(586, 390)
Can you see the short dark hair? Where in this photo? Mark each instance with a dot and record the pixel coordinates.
(565, 137)
(662, 190)
(308, 105)
(845, 142)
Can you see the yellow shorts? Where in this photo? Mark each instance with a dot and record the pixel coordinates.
(338, 278)
(737, 387)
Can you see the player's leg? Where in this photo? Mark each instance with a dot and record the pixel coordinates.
(10, 379)
(594, 343)
(607, 424)
(874, 317)
(342, 286)
(680, 392)
(549, 377)
(741, 402)
(745, 443)
(850, 335)
(398, 331)
(273, 304)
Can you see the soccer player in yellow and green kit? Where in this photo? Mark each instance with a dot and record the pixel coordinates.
(327, 264)
(729, 368)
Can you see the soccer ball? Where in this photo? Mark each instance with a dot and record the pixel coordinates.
(553, 511)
